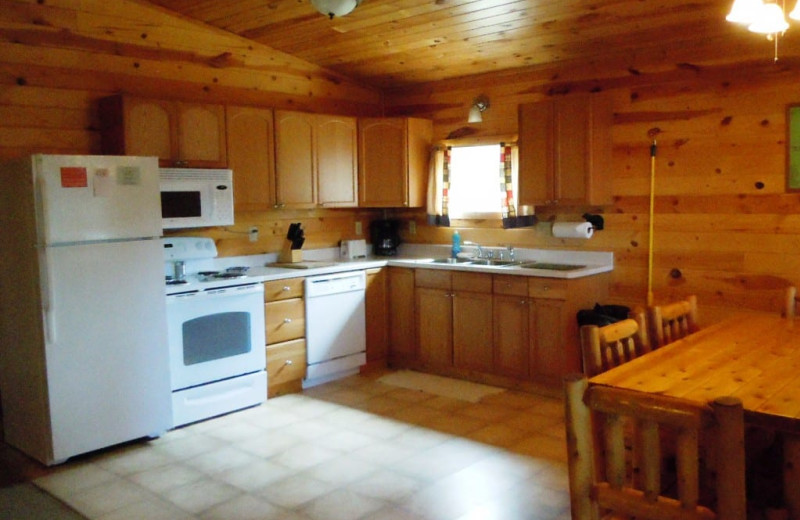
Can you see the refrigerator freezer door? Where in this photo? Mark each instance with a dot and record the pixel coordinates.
(92, 197)
(106, 350)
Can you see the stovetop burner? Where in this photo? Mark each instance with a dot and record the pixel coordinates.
(228, 274)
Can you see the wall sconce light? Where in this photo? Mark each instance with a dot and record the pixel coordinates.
(480, 104)
(333, 8)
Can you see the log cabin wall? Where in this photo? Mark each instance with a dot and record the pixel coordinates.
(59, 57)
(725, 227)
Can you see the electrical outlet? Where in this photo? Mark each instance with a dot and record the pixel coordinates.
(412, 227)
(358, 227)
(253, 234)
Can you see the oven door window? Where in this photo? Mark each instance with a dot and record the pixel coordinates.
(216, 336)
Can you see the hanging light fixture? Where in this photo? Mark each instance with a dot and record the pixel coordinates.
(763, 18)
(744, 11)
(769, 20)
(480, 104)
(333, 8)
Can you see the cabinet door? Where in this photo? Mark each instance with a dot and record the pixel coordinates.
(251, 145)
(336, 161)
(572, 118)
(420, 138)
(149, 129)
(402, 331)
(472, 331)
(434, 308)
(294, 160)
(511, 336)
(549, 357)
(201, 135)
(383, 162)
(536, 153)
(377, 313)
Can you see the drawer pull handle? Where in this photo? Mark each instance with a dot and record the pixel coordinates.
(287, 320)
(286, 288)
(289, 362)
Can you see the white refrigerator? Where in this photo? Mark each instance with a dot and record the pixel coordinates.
(84, 362)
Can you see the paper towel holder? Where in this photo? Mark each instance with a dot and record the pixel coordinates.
(596, 221)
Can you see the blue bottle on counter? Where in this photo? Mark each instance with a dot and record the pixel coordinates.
(456, 243)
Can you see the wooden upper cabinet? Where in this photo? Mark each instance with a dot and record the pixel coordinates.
(251, 156)
(565, 151)
(393, 161)
(315, 160)
(179, 134)
(337, 161)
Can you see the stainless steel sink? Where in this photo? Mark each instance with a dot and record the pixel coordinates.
(493, 262)
(452, 261)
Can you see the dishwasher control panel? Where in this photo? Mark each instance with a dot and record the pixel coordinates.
(335, 283)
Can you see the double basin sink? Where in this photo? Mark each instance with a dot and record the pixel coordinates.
(496, 262)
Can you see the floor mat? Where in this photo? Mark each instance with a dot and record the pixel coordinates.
(27, 502)
(438, 385)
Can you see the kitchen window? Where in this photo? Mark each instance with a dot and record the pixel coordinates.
(477, 183)
(476, 190)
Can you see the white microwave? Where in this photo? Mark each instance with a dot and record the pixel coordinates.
(196, 197)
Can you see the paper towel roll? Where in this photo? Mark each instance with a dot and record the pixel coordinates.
(573, 230)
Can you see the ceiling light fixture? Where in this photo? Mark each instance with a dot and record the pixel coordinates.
(763, 18)
(480, 104)
(333, 8)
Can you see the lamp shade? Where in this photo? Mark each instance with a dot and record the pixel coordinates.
(744, 11)
(474, 115)
(333, 8)
(770, 20)
(795, 14)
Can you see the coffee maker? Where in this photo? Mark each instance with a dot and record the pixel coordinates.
(385, 236)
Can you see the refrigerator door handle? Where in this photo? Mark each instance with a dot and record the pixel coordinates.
(48, 296)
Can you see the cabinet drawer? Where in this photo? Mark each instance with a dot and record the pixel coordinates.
(285, 320)
(474, 282)
(435, 279)
(286, 362)
(547, 288)
(283, 289)
(511, 285)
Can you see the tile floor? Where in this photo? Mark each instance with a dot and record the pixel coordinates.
(348, 450)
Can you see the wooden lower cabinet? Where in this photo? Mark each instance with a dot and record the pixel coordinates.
(434, 327)
(499, 327)
(402, 331)
(286, 366)
(472, 322)
(510, 319)
(285, 320)
(377, 317)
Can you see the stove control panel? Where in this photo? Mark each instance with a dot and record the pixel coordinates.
(188, 248)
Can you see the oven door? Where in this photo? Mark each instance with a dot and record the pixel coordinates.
(215, 334)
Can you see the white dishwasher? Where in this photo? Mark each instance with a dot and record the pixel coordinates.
(335, 326)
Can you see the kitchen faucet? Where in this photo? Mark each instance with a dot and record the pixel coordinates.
(478, 246)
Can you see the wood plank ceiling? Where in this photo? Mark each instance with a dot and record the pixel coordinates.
(391, 43)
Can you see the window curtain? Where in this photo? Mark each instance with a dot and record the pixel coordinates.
(507, 208)
(438, 187)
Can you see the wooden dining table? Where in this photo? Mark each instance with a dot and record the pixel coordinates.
(755, 358)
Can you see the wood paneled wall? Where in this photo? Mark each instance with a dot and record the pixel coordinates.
(725, 228)
(58, 57)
